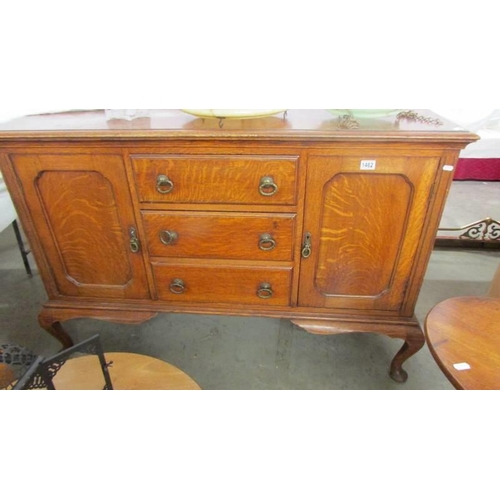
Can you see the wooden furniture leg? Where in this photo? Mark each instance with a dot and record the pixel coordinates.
(414, 341)
(51, 317)
(53, 326)
(411, 333)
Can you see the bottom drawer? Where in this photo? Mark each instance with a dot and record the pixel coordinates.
(223, 285)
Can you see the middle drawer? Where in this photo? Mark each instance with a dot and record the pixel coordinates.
(214, 235)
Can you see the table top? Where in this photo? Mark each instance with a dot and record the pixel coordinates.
(463, 335)
(297, 124)
(128, 372)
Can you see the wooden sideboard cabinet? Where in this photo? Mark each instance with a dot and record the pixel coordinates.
(289, 217)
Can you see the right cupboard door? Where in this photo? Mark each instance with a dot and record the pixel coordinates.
(364, 221)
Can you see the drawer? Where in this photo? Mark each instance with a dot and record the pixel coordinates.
(220, 235)
(255, 180)
(222, 284)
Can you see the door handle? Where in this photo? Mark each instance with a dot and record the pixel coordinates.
(135, 245)
(307, 247)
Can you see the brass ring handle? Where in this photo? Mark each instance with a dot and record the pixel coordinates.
(164, 185)
(265, 291)
(135, 244)
(168, 238)
(307, 248)
(267, 243)
(268, 187)
(178, 287)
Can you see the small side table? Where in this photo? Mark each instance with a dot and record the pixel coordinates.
(128, 372)
(463, 335)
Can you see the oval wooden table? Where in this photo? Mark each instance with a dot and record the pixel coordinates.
(128, 372)
(463, 335)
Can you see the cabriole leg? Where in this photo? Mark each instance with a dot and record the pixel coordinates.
(54, 327)
(414, 341)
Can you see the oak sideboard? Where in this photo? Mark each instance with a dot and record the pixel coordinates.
(327, 221)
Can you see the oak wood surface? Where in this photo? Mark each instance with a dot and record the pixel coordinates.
(466, 330)
(80, 184)
(7, 376)
(365, 229)
(128, 372)
(218, 282)
(221, 235)
(216, 179)
(300, 124)
(83, 215)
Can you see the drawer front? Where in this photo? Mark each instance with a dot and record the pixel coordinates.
(223, 284)
(256, 180)
(220, 235)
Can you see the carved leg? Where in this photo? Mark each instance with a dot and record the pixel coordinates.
(50, 319)
(411, 333)
(51, 325)
(415, 340)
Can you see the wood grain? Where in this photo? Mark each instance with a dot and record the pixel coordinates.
(216, 179)
(83, 216)
(88, 234)
(128, 372)
(220, 235)
(360, 239)
(217, 282)
(80, 184)
(299, 125)
(465, 330)
(365, 229)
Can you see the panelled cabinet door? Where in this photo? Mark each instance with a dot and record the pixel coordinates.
(363, 225)
(85, 223)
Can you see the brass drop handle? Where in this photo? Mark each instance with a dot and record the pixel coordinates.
(265, 291)
(135, 245)
(307, 248)
(168, 238)
(164, 185)
(267, 243)
(268, 187)
(178, 287)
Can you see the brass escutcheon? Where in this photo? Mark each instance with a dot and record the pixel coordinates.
(135, 245)
(307, 248)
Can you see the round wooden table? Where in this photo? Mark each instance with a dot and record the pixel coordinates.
(463, 335)
(128, 372)
(7, 376)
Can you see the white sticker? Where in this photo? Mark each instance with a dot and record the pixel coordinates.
(461, 367)
(369, 165)
(448, 168)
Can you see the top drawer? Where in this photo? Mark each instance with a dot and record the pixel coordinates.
(221, 179)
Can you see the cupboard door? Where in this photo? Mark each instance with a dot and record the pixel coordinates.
(84, 218)
(365, 216)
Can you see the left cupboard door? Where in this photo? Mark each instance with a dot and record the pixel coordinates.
(82, 212)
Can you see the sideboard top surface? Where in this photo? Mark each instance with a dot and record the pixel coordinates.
(164, 124)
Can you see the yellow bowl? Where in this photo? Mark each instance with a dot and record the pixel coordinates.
(233, 113)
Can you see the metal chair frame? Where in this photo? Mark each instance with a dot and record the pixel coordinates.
(42, 372)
